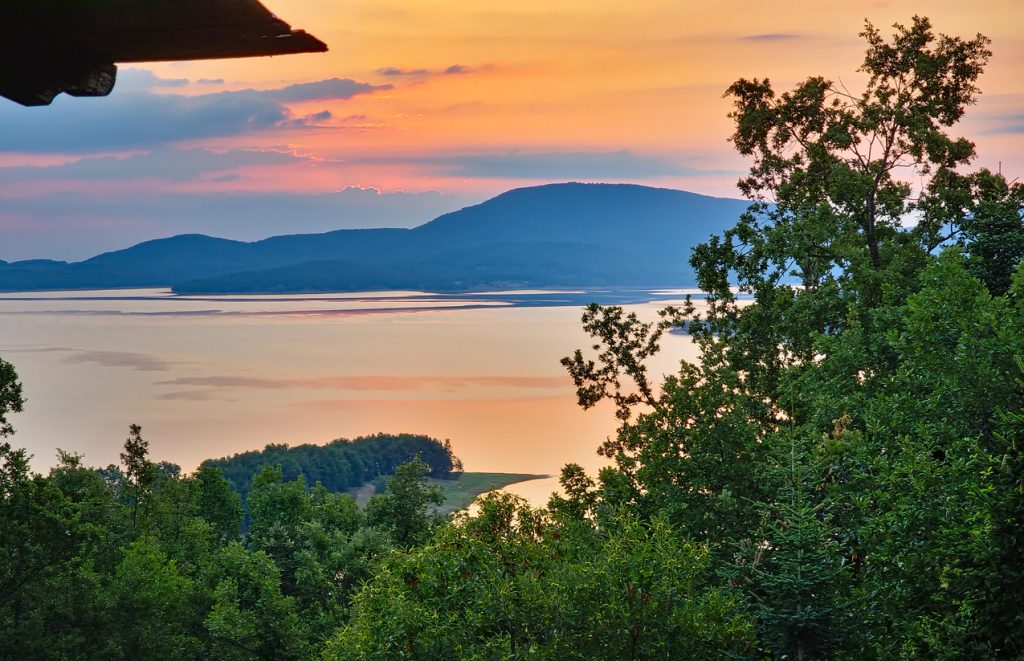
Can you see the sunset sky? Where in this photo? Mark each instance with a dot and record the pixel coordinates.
(424, 107)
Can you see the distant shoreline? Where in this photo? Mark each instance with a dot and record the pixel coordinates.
(532, 298)
(462, 491)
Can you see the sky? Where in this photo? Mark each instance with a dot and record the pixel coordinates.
(424, 107)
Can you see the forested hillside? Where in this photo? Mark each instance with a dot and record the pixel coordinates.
(840, 475)
(339, 465)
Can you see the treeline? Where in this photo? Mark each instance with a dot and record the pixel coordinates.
(342, 464)
(154, 565)
(144, 563)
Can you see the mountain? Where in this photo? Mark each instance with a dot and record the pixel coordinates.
(558, 235)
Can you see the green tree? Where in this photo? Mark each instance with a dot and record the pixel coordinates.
(59, 534)
(404, 510)
(249, 616)
(999, 589)
(139, 472)
(11, 400)
(319, 543)
(509, 583)
(993, 229)
(827, 166)
(830, 318)
(152, 607)
(218, 504)
(278, 511)
(792, 568)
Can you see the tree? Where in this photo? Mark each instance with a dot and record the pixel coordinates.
(57, 532)
(218, 504)
(454, 461)
(279, 510)
(792, 567)
(1001, 592)
(139, 471)
(851, 325)
(834, 177)
(250, 617)
(510, 583)
(11, 400)
(404, 509)
(151, 603)
(993, 228)
(827, 160)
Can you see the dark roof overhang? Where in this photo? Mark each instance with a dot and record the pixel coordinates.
(52, 46)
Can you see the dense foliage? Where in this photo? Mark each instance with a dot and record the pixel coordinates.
(840, 475)
(142, 563)
(848, 446)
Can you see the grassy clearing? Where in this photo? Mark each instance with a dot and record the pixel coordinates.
(460, 492)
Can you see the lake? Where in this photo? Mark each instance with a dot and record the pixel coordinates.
(209, 376)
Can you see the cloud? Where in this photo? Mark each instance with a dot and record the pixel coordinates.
(772, 36)
(1006, 124)
(396, 71)
(622, 164)
(214, 387)
(333, 88)
(163, 163)
(453, 70)
(192, 395)
(210, 81)
(136, 361)
(374, 382)
(312, 119)
(132, 118)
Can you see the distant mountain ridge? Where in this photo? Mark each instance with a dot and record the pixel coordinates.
(557, 235)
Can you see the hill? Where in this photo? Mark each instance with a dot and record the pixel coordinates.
(340, 465)
(558, 235)
(361, 467)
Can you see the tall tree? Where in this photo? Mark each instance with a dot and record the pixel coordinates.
(11, 400)
(139, 472)
(833, 323)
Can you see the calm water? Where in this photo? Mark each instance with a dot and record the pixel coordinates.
(214, 375)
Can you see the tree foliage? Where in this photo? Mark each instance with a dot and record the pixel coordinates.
(843, 441)
(341, 464)
(11, 399)
(508, 583)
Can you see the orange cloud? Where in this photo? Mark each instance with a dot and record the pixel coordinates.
(375, 382)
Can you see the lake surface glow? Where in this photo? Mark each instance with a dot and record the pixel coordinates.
(209, 376)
